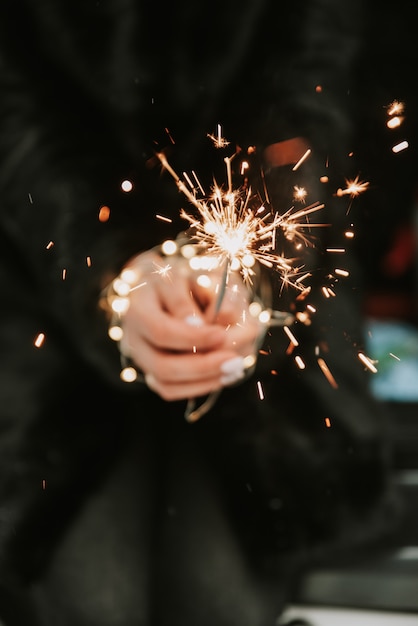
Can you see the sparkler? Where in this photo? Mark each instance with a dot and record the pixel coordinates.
(236, 232)
(236, 229)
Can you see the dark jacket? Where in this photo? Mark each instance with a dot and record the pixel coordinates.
(89, 91)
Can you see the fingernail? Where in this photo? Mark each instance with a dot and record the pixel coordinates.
(149, 381)
(233, 367)
(229, 379)
(193, 320)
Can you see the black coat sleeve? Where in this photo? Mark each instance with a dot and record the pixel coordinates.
(85, 87)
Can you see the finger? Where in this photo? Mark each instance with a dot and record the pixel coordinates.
(146, 317)
(175, 391)
(171, 391)
(189, 372)
(177, 297)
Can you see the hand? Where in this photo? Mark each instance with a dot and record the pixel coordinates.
(185, 340)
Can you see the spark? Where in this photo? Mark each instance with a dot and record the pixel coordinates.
(135, 287)
(199, 186)
(327, 373)
(260, 390)
(291, 336)
(354, 187)
(396, 108)
(299, 194)
(162, 270)
(235, 227)
(188, 179)
(394, 122)
(39, 340)
(367, 362)
(218, 140)
(327, 422)
(341, 272)
(300, 363)
(244, 167)
(394, 356)
(403, 145)
(169, 136)
(163, 218)
(301, 160)
(327, 292)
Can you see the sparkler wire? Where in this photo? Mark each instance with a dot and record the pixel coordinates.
(192, 414)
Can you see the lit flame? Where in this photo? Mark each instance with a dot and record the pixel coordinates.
(235, 227)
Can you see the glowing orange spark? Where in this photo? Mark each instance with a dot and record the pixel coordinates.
(218, 140)
(291, 336)
(354, 187)
(163, 219)
(341, 272)
(396, 108)
(394, 122)
(40, 338)
(260, 390)
(299, 362)
(299, 194)
(367, 362)
(327, 373)
(403, 145)
(301, 160)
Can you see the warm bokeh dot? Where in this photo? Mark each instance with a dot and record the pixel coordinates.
(104, 213)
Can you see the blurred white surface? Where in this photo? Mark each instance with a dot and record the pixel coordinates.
(315, 616)
(325, 616)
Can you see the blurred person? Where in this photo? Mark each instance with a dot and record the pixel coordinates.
(114, 509)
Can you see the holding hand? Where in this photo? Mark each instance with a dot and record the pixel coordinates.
(185, 330)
